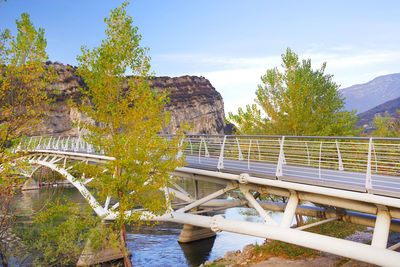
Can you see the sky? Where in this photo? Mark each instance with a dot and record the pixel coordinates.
(232, 43)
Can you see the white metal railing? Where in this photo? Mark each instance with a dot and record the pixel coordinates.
(359, 163)
(60, 143)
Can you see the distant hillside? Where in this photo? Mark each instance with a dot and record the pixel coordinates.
(390, 106)
(363, 97)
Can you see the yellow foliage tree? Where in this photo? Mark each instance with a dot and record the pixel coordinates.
(23, 101)
(127, 115)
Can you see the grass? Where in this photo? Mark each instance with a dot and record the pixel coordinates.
(342, 261)
(338, 229)
(215, 264)
(286, 250)
(275, 248)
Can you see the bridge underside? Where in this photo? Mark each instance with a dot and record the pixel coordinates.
(243, 190)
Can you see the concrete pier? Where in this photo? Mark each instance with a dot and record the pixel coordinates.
(89, 257)
(30, 184)
(192, 233)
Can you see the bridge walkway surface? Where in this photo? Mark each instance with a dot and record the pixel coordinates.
(353, 179)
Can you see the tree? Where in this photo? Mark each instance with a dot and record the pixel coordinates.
(386, 126)
(23, 103)
(249, 121)
(296, 101)
(126, 117)
(59, 232)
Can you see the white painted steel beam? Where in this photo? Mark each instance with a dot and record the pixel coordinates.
(381, 230)
(290, 210)
(317, 223)
(363, 197)
(345, 248)
(208, 198)
(253, 202)
(75, 182)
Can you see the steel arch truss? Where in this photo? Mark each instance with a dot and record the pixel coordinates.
(193, 208)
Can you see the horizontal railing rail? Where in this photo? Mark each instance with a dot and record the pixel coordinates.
(369, 164)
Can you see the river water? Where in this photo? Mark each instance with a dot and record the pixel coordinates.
(158, 245)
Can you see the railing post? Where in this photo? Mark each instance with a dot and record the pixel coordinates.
(38, 145)
(259, 152)
(319, 161)
(191, 146)
(201, 142)
(29, 143)
(248, 156)
(49, 144)
(180, 152)
(239, 150)
(281, 158)
(283, 153)
(58, 141)
(376, 159)
(66, 144)
(207, 155)
(339, 157)
(308, 154)
(77, 144)
(368, 176)
(221, 155)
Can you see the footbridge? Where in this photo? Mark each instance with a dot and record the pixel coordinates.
(354, 179)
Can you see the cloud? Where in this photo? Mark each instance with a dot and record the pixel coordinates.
(222, 63)
(236, 78)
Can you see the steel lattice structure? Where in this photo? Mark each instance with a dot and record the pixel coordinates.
(338, 173)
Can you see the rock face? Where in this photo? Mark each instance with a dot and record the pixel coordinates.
(192, 99)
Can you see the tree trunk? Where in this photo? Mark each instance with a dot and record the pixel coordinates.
(3, 258)
(122, 233)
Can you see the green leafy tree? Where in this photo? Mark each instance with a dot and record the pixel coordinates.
(296, 101)
(59, 232)
(386, 126)
(249, 121)
(126, 117)
(23, 103)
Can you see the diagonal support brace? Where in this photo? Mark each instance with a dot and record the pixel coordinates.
(205, 199)
(290, 210)
(382, 227)
(253, 202)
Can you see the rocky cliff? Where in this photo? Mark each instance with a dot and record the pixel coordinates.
(192, 99)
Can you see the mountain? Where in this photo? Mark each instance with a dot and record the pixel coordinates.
(363, 97)
(391, 106)
(192, 99)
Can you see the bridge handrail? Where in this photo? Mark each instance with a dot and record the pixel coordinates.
(289, 157)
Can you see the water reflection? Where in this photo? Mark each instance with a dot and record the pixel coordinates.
(158, 245)
(199, 251)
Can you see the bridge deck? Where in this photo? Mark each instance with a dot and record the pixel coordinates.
(381, 184)
(352, 163)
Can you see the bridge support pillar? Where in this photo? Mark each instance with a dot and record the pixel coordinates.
(192, 233)
(103, 255)
(290, 210)
(30, 184)
(382, 227)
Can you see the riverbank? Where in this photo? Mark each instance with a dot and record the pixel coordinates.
(276, 253)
